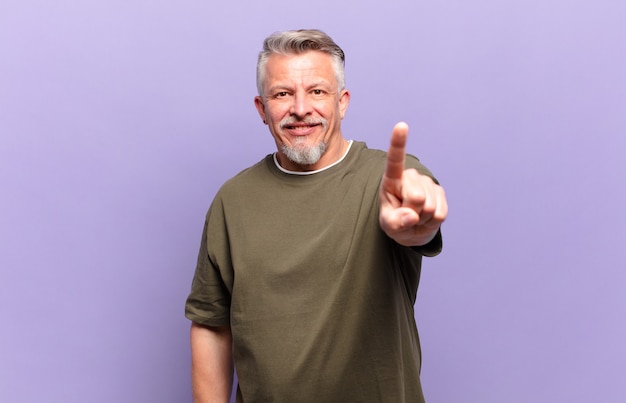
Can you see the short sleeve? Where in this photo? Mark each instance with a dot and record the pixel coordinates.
(208, 302)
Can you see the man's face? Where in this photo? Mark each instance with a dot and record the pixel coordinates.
(303, 108)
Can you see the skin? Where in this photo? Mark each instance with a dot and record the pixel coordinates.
(303, 87)
(211, 363)
(412, 206)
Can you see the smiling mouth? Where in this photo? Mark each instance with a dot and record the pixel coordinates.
(300, 126)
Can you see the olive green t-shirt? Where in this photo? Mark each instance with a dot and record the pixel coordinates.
(319, 299)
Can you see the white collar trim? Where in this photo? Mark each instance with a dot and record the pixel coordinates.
(287, 171)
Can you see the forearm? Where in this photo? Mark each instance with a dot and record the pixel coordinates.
(211, 363)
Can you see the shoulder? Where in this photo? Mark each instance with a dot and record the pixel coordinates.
(368, 157)
(377, 159)
(237, 190)
(247, 177)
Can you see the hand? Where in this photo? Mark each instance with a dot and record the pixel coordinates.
(412, 205)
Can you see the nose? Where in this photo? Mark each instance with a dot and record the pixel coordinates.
(301, 105)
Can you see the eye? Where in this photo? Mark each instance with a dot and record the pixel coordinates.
(281, 94)
(317, 91)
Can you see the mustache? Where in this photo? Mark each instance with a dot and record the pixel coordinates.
(288, 121)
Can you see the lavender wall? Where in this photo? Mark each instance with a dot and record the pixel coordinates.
(120, 119)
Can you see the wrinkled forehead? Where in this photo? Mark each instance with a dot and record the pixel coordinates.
(306, 65)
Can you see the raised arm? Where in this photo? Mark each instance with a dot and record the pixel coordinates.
(211, 363)
(412, 205)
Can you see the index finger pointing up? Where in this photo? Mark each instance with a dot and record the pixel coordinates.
(396, 153)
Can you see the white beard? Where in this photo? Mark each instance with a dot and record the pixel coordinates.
(304, 154)
(299, 152)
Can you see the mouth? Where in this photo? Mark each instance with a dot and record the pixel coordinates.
(301, 128)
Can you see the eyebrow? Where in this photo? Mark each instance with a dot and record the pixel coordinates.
(320, 83)
(283, 87)
(278, 88)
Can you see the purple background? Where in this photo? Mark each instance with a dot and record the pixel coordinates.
(120, 119)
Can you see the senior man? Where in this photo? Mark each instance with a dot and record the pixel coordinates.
(310, 260)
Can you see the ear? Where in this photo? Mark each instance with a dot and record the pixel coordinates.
(344, 101)
(260, 107)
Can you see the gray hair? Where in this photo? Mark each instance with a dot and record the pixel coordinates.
(297, 42)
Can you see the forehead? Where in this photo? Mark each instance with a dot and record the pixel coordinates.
(308, 65)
